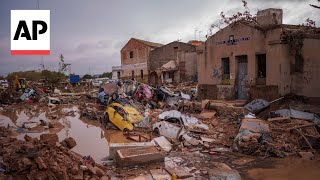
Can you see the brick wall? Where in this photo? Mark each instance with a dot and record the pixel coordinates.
(140, 52)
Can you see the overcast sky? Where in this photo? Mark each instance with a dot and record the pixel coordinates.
(90, 33)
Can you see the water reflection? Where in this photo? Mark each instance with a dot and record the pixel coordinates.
(90, 137)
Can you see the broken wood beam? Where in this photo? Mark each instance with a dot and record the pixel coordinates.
(304, 126)
(304, 137)
(278, 119)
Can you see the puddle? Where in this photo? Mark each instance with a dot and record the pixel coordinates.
(288, 168)
(91, 139)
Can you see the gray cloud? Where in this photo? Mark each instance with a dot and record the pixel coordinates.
(91, 33)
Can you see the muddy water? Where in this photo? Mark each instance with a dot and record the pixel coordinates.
(91, 139)
(291, 168)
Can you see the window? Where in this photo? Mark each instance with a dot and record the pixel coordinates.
(261, 69)
(141, 74)
(262, 66)
(225, 68)
(298, 66)
(175, 49)
(171, 76)
(131, 54)
(231, 40)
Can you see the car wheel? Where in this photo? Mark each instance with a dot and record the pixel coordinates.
(156, 132)
(126, 131)
(105, 120)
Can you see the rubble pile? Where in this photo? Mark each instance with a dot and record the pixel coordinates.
(171, 133)
(43, 159)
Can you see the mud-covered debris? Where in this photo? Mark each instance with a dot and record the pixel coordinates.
(306, 155)
(252, 133)
(41, 163)
(223, 171)
(49, 138)
(28, 138)
(37, 160)
(69, 142)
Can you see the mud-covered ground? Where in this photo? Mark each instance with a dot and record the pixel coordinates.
(93, 139)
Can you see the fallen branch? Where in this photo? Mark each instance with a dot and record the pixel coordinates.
(303, 126)
(304, 137)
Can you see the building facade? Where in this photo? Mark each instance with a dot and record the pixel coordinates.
(266, 59)
(134, 57)
(174, 62)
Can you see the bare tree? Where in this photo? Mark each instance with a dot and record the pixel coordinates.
(239, 16)
(315, 6)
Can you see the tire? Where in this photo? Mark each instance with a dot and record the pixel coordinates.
(126, 131)
(156, 132)
(105, 120)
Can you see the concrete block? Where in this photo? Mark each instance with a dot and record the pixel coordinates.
(138, 156)
(114, 147)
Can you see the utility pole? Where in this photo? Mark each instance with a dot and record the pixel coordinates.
(195, 34)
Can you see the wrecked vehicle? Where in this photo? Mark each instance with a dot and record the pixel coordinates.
(170, 128)
(173, 128)
(188, 121)
(163, 93)
(143, 92)
(122, 117)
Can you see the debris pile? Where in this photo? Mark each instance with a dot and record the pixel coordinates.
(42, 159)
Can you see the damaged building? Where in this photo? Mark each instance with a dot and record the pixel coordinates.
(134, 56)
(174, 62)
(267, 58)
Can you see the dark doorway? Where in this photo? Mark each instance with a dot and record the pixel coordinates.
(171, 75)
(242, 73)
(141, 74)
(132, 74)
(118, 74)
(261, 69)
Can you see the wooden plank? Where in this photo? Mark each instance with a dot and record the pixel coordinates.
(278, 119)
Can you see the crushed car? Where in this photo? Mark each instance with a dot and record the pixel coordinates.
(188, 121)
(123, 117)
(173, 128)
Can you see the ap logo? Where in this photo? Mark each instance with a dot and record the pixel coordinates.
(30, 32)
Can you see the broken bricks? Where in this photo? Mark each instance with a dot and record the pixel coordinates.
(49, 138)
(69, 142)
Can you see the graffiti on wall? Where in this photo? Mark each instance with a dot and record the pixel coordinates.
(215, 73)
(225, 92)
(307, 73)
(307, 77)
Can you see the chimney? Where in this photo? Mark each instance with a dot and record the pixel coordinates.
(269, 16)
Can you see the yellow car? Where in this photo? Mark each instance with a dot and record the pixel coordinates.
(122, 116)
